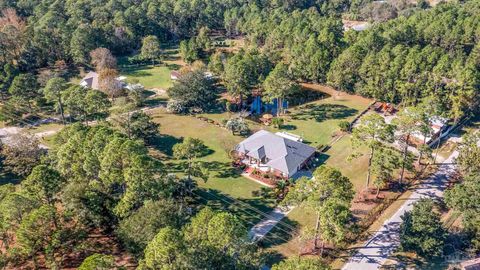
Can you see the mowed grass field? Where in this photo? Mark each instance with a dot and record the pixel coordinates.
(317, 121)
(149, 76)
(283, 239)
(225, 188)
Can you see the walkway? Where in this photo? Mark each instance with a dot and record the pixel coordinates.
(261, 229)
(384, 242)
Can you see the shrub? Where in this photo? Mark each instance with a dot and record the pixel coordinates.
(344, 126)
(174, 106)
(237, 125)
(277, 122)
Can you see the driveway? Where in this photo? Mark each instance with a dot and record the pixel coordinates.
(383, 243)
(262, 228)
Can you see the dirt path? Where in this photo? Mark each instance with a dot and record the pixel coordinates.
(336, 94)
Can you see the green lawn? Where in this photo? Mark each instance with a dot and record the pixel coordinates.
(317, 121)
(149, 76)
(282, 239)
(355, 169)
(225, 188)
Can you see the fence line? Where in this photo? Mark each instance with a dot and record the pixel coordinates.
(361, 114)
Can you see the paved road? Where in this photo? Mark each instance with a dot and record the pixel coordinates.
(378, 248)
(261, 229)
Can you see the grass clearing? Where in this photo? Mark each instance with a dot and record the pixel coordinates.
(287, 244)
(355, 169)
(149, 76)
(317, 121)
(225, 188)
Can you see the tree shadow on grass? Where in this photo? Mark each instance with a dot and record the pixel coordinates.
(288, 127)
(249, 211)
(306, 95)
(284, 231)
(221, 169)
(173, 66)
(8, 178)
(164, 143)
(137, 72)
(171, 56)
(216, 168)
(322, 112)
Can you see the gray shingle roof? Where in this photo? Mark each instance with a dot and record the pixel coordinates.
(281, 154)
(90, 80)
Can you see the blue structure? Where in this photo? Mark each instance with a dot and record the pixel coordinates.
(258, 107)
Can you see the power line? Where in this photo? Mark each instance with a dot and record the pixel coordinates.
(249, 222)
(247, 206)
(248, 213)
(257, 210)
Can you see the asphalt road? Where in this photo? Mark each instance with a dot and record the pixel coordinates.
(383, 243)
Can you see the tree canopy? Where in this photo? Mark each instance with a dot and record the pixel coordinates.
(421, 230)
(194, 91)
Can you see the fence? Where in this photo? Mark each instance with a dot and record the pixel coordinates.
(360, 115)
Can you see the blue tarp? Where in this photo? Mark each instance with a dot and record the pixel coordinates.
(259, 107)
(256, 106)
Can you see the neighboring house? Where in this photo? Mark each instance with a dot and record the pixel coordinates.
(273, 153)
(91, 80)
(439, 127)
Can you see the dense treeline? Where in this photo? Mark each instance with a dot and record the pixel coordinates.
(433, 54)
(94, 179)
(99, 180)
(306, 39)
(48, 31)
(43, 32)
(464, 197)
